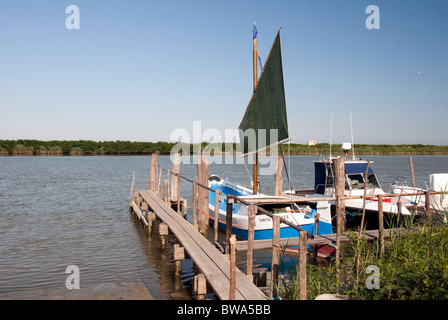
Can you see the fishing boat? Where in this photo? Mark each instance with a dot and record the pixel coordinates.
(288, 207)
(360, 180)
(264, 125)
(437, 182)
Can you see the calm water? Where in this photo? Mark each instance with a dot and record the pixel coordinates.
(61, 211)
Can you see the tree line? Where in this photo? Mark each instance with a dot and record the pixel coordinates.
(89, 147)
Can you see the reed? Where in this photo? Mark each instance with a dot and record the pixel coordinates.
(414, 266)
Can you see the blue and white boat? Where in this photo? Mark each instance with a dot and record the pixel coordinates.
(284, 206)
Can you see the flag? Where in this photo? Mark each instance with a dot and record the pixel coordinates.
(255, 32)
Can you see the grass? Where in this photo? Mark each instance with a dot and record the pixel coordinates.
(414, 266)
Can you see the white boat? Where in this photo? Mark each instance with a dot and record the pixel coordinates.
(285, 206)
(437, 182)
(355, 171)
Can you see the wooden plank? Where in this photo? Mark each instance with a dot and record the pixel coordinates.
(242, 245)
(210, 261)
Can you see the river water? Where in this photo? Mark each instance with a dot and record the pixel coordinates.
(62, 211)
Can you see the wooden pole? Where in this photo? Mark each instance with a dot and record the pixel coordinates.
(195, 209)
(339, 180)
(252, 212)
(278, 176)
(167, 188)
(203, 194)
(381, 224)
(216, 224)
(175, 180)
(232, 267)
(366, 182)
(132, 189)
(229, 208)
(316, 232)
(153, 173)
(275, 255)
(179, 255)
(255, 67)
(302, 265)
(412, 171)
(428, 204)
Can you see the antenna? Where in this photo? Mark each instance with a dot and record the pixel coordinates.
(331, 131)
(351, 129)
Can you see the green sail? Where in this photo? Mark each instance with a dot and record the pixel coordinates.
(265, 122)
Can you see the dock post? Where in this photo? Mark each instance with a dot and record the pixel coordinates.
(252, 211)
(412, 172)
(275, 255)
(175, 180)
(163, 232)
(203, 195)
(150, 217)
(166, 196)
(200, 287)
(428, 204)
(278, 176)
(179, 255)
(153, 173)
(316, 232)
(302, 265)
(132, 190)
(232, 267)
(339, 173)
(195, 203)
(216, 224)
(380, 223)
(230, 202)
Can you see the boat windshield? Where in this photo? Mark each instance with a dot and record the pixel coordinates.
(357, 181)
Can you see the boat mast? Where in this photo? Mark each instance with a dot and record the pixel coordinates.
(255, 51)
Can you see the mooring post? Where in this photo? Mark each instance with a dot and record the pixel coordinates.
(412, 172)
(252, 212)
(203, 194)
(200, 287)
(275, 255)
(278, 176)
(175, 178)
(381, 223)
(132, 190)
(153, 173)
(163, 231)
(216, 224)
(232, 267)
(195, 203)
(428, 204)
(179, 255)
(339, 173)
(302, 265)
(316, 232)
(230, 202)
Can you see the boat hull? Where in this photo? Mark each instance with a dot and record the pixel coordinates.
(305, 217)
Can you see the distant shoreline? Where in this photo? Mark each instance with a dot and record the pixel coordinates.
(89, 147)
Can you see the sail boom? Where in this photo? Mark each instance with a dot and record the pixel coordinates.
(266, 147)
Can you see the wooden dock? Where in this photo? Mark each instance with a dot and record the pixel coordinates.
(369, 235)
(211, 262)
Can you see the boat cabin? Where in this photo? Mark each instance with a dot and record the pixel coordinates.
(354, 177)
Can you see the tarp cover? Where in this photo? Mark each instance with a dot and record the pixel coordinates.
(267, 107)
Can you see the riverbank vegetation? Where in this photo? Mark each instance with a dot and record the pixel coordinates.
(414, 266)
(89, 147)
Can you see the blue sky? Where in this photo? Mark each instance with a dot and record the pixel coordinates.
(138, 70)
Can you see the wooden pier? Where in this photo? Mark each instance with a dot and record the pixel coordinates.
(218, 270)
(213, 264)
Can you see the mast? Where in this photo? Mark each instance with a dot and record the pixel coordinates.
(255, 51)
